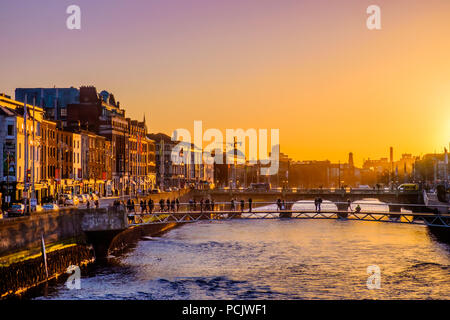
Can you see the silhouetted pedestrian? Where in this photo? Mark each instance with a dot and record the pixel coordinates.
(152, 205)
(250, 204)
(242, 205)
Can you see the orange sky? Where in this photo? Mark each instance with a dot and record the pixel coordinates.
(311, 69)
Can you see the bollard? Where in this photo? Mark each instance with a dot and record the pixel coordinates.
(44, 256)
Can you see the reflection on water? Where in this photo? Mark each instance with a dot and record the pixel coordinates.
(309, 205)
(275, 259)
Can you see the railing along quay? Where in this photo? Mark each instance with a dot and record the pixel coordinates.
(187, 215)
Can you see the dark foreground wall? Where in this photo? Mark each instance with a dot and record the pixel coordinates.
(17, 234)
(25, 232)
(134, 234)
(25, 274)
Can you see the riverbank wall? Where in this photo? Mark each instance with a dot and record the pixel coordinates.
(64, 232)
(21, 276)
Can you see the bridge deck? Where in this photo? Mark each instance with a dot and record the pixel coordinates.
(428, 219)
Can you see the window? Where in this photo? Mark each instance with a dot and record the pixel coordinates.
(10, 129)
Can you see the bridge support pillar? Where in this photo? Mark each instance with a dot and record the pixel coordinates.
(234, 215)
(343, 210)
(394, 208)
(101, 226)
(285, 214)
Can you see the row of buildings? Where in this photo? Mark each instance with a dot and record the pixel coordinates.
(68, 140)
(429, 169)
(57, 141)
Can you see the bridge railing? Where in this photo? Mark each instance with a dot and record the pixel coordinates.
(366, 206)
(189, 217)
(311, 191)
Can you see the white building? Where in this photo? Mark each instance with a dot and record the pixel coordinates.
(20, 149)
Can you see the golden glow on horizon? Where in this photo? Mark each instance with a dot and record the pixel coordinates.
(312, 70)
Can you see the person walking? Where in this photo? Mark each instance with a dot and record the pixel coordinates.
(319, 203)
(128, 205)
(142, 206)
(212, 204)
(161, 205)
(233, 207)
(133, 206)
(242, 205)
(250, 204)
(177, 204)
(349, 205)
(168, 204)
(316, 204)
(279, 204)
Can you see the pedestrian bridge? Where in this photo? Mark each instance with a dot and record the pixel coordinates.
(266, 212)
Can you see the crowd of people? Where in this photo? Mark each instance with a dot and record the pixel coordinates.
(203, 205)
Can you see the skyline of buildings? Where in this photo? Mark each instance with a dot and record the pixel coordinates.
(81, 141)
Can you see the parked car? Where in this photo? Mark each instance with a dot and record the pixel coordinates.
(82, 198)
(37, 208)
(16, 210)
(50, 207)
(408, 187)
(260, 187)
(70, 201)
(94, 196)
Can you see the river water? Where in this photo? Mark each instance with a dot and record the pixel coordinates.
(273, 259)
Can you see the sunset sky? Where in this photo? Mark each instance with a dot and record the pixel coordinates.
(309, 68)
